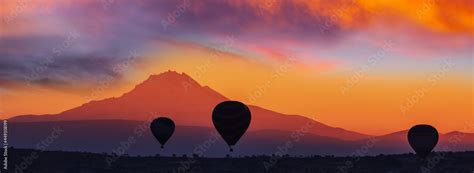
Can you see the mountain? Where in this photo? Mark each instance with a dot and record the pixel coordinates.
(394, 143)
(134, 138)
(188, 103)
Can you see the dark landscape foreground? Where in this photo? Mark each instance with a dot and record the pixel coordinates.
(79, 162)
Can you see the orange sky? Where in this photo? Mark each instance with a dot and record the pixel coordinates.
(371, 106)
(425, 34)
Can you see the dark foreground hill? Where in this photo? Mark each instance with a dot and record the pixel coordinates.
(22, 160)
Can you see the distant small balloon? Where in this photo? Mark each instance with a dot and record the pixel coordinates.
(423, 138)
(162, 128)
(231, 119)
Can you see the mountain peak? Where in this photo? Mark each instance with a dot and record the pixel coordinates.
(171, 76)
(173, 85)
(169, 79)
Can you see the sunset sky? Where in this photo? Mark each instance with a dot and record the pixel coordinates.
(372, 66)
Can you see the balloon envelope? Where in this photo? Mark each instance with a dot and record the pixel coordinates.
(162, 128)
(423, 138)
(231, 119)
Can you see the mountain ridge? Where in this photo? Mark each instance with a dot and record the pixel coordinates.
(187, 102)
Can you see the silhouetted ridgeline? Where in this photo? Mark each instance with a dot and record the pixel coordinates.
(81, 162)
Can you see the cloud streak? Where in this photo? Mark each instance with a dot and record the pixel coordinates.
(266, 28)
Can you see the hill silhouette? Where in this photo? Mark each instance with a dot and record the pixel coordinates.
(179, 97)
(83, 162)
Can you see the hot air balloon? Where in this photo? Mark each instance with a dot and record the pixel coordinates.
(162, 128)
(423, 138)
(231, 119)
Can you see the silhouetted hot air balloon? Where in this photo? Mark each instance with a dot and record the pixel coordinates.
(162, 128)
(231, 119)
(423, 138)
